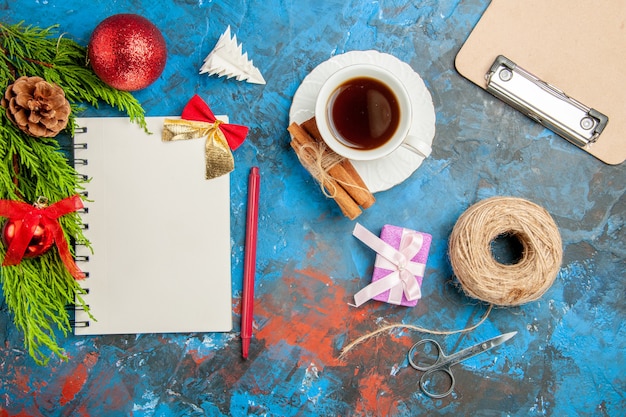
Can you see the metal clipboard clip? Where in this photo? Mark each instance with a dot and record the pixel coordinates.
(544, 103)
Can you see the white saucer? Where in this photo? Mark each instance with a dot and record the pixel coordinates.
(384, 173)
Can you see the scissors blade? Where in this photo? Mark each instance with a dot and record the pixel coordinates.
(477, 349)
(498, 340)
(495, 341)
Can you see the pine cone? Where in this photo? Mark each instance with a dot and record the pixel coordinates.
(37, 107)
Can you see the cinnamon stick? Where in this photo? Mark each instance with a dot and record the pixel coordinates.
(346, 174)
(343, 172)
(348, 206)
(311, 127)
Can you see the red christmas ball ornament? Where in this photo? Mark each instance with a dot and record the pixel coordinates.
(127, 51)
(41, 241)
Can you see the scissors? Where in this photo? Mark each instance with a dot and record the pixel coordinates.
(438, 380)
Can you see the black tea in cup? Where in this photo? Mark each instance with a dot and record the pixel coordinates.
(364, 113)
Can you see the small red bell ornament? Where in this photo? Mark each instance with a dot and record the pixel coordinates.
(30, 230)
(40, 242)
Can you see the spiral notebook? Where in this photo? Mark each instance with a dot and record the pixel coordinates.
(160, 232)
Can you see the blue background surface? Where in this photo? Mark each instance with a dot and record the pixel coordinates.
(568, 356)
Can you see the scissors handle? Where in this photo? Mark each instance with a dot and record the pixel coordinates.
(427, 355)
(437, 382)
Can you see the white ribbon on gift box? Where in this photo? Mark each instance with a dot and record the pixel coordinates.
(403, 271)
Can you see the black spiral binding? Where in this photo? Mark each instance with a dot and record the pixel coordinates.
(85, 226)
(74, 308)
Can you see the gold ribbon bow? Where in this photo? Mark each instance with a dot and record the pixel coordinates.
(218, 156)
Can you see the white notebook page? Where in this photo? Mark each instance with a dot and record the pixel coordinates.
(159, 230)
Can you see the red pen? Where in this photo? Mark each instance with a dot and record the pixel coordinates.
(249, 265)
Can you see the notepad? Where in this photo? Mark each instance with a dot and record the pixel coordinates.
(160, 233)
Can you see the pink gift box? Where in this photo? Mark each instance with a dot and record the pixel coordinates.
(393, 235)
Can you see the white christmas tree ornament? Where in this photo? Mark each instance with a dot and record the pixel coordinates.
(227, 60)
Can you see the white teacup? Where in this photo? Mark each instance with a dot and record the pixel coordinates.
(364, 112)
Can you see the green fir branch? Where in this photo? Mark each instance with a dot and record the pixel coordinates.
(38, 290)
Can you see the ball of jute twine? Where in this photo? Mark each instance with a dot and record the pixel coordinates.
(481, 276)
